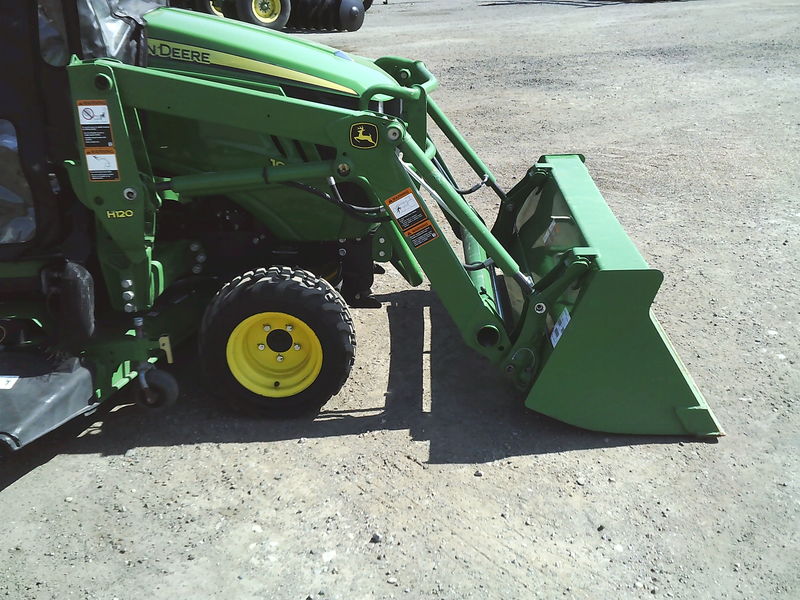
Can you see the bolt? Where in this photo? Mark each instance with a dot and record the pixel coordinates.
(195, 246)
(394, 133)
(279, 358)
(342, 252)
(267, 327)
(539, 308)
(197, 269)
(201, 258)
(127, 295)
(343, 169)
(129, 307)
(126, 284)
(381, 253)
(138, 321)
(129, 193)
(261, 347)
(381, 240)
(289, 328)
(297, 346)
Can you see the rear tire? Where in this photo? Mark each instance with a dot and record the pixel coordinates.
(277, 342)
(272, 14)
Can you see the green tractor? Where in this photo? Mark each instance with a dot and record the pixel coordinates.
(165, 173)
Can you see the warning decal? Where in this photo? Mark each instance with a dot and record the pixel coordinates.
(406, 209)
(98, 143)
(559, 327)
(421, 234)
(411, 218)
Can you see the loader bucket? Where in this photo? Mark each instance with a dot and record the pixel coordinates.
(602, 360)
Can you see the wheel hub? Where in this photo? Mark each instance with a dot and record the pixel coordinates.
(266, 11)
(274, 354)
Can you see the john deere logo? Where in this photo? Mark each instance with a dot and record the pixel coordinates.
(364, 135)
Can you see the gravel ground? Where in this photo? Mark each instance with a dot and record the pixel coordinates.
(425, 478)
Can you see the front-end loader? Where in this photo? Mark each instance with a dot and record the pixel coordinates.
(165, 173)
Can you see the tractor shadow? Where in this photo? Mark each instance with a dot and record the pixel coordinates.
(469, 414)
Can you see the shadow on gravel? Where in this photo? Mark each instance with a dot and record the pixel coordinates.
(474, 415)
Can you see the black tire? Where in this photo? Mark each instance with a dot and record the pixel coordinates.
(272, 14)
(162, 389)
(241, 309)
(351, 15)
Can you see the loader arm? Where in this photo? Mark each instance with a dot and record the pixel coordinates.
(553, 283)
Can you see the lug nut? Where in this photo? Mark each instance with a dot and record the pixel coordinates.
(280, 358)
(261, 347)
(267, 328)
(297, 346)
(289, 328)
(126, 284)
(127, 295)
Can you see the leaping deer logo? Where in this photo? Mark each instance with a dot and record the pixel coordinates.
(364, 135)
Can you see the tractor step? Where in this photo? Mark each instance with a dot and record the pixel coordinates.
(37, 396)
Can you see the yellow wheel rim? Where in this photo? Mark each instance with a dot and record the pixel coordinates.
(274, 354)
(216, 7)
(266, 11)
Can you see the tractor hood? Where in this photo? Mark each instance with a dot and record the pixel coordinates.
(184, 41)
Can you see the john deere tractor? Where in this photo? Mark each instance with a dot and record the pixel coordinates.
(334, 15)
(165, 173)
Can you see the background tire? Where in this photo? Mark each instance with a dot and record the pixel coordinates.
(211, 7)
(277, 342)
(272, 14)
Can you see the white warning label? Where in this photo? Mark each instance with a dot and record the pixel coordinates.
(95, 113)
(559, 327)
(102, 166)
(406, 209)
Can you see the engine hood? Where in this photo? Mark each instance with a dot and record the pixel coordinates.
(185, 41)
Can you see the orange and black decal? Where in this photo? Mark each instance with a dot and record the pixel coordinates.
(412, 219)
